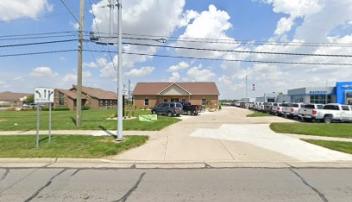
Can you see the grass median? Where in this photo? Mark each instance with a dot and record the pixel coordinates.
(66, 146)
(258, 114)
(65, 120)
(343, 130)
(334, 145)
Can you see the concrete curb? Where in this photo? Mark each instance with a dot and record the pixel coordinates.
(105, 163)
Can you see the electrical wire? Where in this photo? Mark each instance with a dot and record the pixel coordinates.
(37, 53)
(233, 60)
(36, 43)
(69, 10)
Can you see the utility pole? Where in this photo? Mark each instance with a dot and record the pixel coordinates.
(246, 86)
(119, 130)
(79, 66)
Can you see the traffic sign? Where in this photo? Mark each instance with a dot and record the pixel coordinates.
(43, 95)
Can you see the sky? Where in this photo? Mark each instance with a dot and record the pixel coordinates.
(294, 26)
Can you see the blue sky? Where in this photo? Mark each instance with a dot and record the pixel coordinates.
(253, 20)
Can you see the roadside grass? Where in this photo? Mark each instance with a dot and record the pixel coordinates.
(258, 114)
(343, 130)
(66, 146)
(65, 120)
(338, 146)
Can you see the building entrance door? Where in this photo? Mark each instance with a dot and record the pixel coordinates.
(175, 99)
(349, 97)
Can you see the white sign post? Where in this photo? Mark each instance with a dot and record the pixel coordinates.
(43, 96)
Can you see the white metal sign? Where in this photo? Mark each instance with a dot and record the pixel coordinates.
(43, 95)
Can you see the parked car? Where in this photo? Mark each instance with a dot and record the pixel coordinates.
(286, 109)
(335, 112)
(308, 112)
(268, 106)
(190, 109)
(168, 108)
(294, 108)
(275, 108)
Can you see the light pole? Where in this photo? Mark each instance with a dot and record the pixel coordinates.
(119, 130)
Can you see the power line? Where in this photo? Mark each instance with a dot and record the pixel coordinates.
(39, 37)
(38, 53)
(69, 10)
(232, 41)
(232, 60)
(36, 43)
(36, 34)
(238, 51)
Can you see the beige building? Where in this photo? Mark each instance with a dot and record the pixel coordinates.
(147, 95)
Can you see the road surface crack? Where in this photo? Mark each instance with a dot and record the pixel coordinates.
(45, 186)
(130, 191)
(6, 173)
(321, 195)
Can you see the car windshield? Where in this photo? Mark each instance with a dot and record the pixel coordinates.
(294, 105)
(309, 106)
(178, 105)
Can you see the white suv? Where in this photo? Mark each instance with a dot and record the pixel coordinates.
(335, 112)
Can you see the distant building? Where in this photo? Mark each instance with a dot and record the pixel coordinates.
(12, 100)
(147, 95)
(94, 98)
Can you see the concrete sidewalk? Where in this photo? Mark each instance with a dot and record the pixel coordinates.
(78, 132)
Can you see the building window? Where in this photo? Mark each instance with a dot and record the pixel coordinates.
(61, 99)
(146, 102)
(204, 101)
(165, 100)
(320, 99)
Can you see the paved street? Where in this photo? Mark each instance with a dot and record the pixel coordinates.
(239, 184)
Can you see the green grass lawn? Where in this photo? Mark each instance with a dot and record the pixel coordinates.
(338, 146)
(66, 146)
(65, 120)
(258, 114)
(317, 129)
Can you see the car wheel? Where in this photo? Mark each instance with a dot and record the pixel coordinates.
(328, 119)
(153, 112)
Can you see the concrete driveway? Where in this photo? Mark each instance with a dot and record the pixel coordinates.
(228, 136)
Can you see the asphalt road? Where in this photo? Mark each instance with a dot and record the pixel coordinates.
(238, 184)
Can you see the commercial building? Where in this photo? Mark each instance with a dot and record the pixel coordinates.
(94, 98)
(147, 95)
(341, 93)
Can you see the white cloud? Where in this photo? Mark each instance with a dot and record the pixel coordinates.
(140, 16)
(143, 71)
(211, 24)
(175, 76)
(15, 9)
(70, 78)
(43, 72)
(180, 66)
(295, 9)
(284, 25)
(200, 74)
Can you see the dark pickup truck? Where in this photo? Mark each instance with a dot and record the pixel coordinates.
(190, 109)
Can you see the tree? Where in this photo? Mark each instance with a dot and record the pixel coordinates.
(29, 99)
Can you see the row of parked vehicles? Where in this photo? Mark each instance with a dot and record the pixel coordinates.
(176, 109)
(328, 113)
